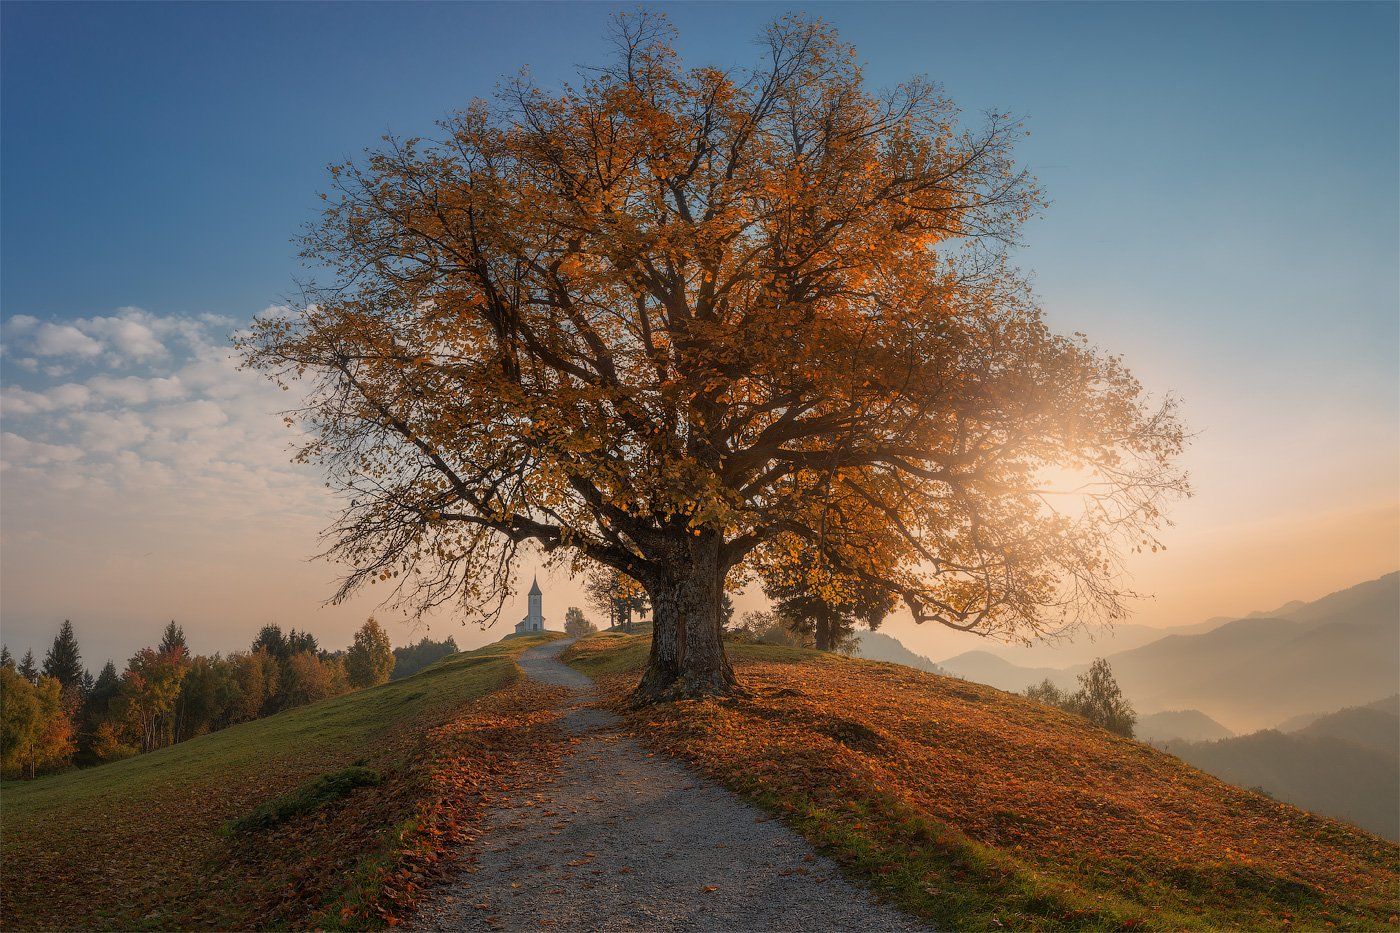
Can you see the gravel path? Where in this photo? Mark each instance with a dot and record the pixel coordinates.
(621, 840)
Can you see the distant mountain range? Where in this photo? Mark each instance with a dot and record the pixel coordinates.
(1344, 764)
(1340, 650)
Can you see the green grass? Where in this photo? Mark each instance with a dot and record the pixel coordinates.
(144, 842)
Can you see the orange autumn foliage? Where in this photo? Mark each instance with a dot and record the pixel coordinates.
(683, 321)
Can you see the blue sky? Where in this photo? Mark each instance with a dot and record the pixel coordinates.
(1224, 188)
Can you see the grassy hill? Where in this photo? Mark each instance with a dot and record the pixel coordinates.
(299, 818)
(978, 809)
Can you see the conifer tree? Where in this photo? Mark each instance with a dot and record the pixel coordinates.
(27, 668)
(63, 662)
(105, 687)
(6, 659)
(172, 638)
(301, 642)
(271, 639)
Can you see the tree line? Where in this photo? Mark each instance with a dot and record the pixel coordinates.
(58, 715)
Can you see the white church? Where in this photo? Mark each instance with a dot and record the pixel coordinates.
(534, 618)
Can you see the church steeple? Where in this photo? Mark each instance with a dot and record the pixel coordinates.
(534, 616)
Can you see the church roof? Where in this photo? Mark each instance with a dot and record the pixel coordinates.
(535, 588)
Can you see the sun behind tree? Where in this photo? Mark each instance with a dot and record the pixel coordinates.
(684, 322)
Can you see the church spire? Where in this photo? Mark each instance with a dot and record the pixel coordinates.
(535, 587)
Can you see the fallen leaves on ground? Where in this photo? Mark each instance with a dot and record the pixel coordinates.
(892, 769)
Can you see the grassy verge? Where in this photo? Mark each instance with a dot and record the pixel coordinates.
(328, 815)
(976, 809)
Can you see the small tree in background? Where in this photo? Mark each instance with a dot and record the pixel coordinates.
(171, 638)
(370, 659)
(298, 642)
(6, 659)
(410, 659)
(63, 662)
(615, 595)
(271, 640)
(1046, 692)
(576, 625)
(149, 693)
(1099, 699)
(35, 730)
(27, 669)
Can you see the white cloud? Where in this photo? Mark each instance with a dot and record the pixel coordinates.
(107, 432)
(128, 336)
(21, 451)
(17, 401)
(63, 340)
(188, 416)
(137, 390)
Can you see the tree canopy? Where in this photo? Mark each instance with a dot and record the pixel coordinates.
(684, 321)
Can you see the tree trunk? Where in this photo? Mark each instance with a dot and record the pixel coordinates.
(687, 643)
(823, 629)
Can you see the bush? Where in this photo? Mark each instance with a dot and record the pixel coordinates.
(310, 796)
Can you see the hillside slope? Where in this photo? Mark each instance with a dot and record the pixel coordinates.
(975, 808)
(1323, 773)
(293, 820)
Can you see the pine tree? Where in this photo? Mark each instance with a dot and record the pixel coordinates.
(301, 642)
(271, 640)
(6, 659)
(63, 662)
(27, 668)
(173, 637)
(106, 686)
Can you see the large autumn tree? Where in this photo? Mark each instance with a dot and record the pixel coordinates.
(673, 320)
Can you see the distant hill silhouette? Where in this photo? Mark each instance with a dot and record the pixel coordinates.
(1376, 726)
(1189, 724)
(1321, 773)
(995, 671)
(877, 646)
(1340, 650)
